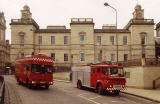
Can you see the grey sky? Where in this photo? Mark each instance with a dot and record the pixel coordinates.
(59, 12)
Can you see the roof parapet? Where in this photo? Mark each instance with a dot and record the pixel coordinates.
(139, 22)
(56, 27)
(81, 21)
(108, 26)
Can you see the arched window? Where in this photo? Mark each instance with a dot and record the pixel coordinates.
(143, 37)
(82, 37)
(21, 37)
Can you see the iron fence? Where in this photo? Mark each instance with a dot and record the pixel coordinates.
(140, 62)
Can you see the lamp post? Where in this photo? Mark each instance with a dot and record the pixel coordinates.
(106, 4)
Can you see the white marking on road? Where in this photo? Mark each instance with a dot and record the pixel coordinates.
(114, 101)
(95, 97)
(90, 99)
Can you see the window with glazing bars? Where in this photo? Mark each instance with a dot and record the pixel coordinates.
(65, 39)
(65, 57)
(39, 40)
(124, 40)
(52, 40)
(98, 40)
(112, 40)
(82, 56)
(81, 39)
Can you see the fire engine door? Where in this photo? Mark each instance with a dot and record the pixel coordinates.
(99, 73)
(93, 77)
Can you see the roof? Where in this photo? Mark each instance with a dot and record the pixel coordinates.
(139, 22)
(53, 31)
(95, 31)
(111, 31)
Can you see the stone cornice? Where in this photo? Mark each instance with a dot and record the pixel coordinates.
(53, 31)
(111, 31)
(139, 22)
(24, 22)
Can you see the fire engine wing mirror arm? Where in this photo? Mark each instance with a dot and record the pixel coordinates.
(125, 73)
(53, 70)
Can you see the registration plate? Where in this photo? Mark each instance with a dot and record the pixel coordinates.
(42, 82)
(117, 86)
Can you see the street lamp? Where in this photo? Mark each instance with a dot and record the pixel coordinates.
(106, 4)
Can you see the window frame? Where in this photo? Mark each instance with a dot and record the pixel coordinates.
(53, 56)
(82, 57)
(40, 40)
(99, 57)
(125, 40)
(52, 40)
(21, 39)
(65, 57)
(112, 40)
(99, 40)
(113, 57)
(65, 40)
(125, 56)
(82, 40)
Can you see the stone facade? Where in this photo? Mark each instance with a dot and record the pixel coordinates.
(82, 43)
(4, 44)
(157, 38)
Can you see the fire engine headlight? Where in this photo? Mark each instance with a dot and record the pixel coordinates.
(111, 86)
(33, 82)
(50, 82)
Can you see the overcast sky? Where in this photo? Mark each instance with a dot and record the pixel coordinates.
(60, 12)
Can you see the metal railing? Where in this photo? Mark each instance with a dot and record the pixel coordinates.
(2, 90)
(140, 62)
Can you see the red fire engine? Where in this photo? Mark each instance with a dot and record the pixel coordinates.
(34, 70)
(101, 77)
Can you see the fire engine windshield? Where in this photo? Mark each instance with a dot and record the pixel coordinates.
(36, 68)
(116, 72)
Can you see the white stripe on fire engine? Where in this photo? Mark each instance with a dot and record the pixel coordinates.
(38, 59)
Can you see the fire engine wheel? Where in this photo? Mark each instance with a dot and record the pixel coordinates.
(28, 85)
(79, 85)
(18, 81)
(116, 92)
(100, 89)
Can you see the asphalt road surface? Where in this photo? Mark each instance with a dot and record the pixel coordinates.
(64, 93)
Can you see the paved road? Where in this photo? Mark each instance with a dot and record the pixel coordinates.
(64, 93)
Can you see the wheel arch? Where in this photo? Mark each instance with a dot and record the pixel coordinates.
(98, 83)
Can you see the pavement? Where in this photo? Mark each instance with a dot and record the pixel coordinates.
(149, 94)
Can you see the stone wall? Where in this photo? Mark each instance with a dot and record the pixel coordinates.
(142, 77)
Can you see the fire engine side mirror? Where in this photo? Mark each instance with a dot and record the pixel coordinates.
(125, 73)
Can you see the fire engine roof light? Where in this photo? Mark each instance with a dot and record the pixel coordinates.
(108, 63)
(119, 64)
(32, 53)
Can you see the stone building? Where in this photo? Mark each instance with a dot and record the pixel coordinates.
(4, 44)
(157, 38)
(82, 43)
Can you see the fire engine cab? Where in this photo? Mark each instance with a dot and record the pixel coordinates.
(34, 70)
(101, 77)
